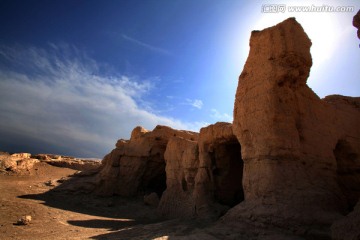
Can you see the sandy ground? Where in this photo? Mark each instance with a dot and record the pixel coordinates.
(63, 216)
(56, 215)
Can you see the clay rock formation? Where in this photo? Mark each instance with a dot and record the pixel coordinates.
(73, 163)
(24, 162)
(24, 220)
(20, 155)
(300, 153)
(16, 163)
(356, 23)
(135, 166)
(68, 162)
(203, 178)
(182, 163)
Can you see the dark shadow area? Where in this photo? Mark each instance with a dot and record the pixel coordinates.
(111, 207)
(154, 179)
(112, 225)
(348, 171)
(151, 231)
(228, 172)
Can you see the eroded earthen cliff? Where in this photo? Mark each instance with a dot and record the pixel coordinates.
(138, 165)
(301, 153)
(204, 177)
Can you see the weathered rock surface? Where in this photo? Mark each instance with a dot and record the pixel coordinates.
(16, 163)
(77, 164)
(21, 155)
(221, 161)
(182, 164)
(300, 153)
(24, 220)
(134, 167)
(24, 162)
(203, 178)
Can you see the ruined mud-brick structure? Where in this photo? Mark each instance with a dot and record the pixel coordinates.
(289, 158)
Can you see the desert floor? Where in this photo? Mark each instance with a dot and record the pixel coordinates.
(56, 215)
(59, 215)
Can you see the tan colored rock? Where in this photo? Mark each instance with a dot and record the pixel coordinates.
(8, 164)
(26, 164)
(203, 178)
(43, 156)
(76, 164)
(218, 181)
(182, 164)
(24, 220)
(296, 148)
(20, 155)
(69, 162)
(138, 164)
(17, 163)
(138, 132)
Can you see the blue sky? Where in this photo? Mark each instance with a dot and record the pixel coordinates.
(75, 76)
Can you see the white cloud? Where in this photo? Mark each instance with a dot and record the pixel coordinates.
(220, 116)
(196, 103)
(57, 96)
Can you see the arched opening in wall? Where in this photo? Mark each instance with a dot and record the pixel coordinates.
(157, 184)
(227, 172)
(154, 178)
(348, 171)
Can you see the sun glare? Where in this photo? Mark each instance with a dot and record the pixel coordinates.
(320, 27)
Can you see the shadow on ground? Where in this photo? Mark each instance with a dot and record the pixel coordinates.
(130, 218)
(110, 207)
(111, 225)
(171, 229)
(119, 217)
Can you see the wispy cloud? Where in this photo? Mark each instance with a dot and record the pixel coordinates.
(61, 102)
(215, 114)
(196, 103)
(146, 45)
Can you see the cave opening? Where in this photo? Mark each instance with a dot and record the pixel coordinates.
(348, 172)
(154, 177)
(157, 184)
(227, 172)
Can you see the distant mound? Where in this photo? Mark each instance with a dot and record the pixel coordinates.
(23, 163)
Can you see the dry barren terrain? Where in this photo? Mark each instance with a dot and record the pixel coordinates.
(56, 215)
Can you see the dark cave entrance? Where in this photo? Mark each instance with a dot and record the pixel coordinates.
(348, 171)
(157, 184)
(154, 177)
(227, 172)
